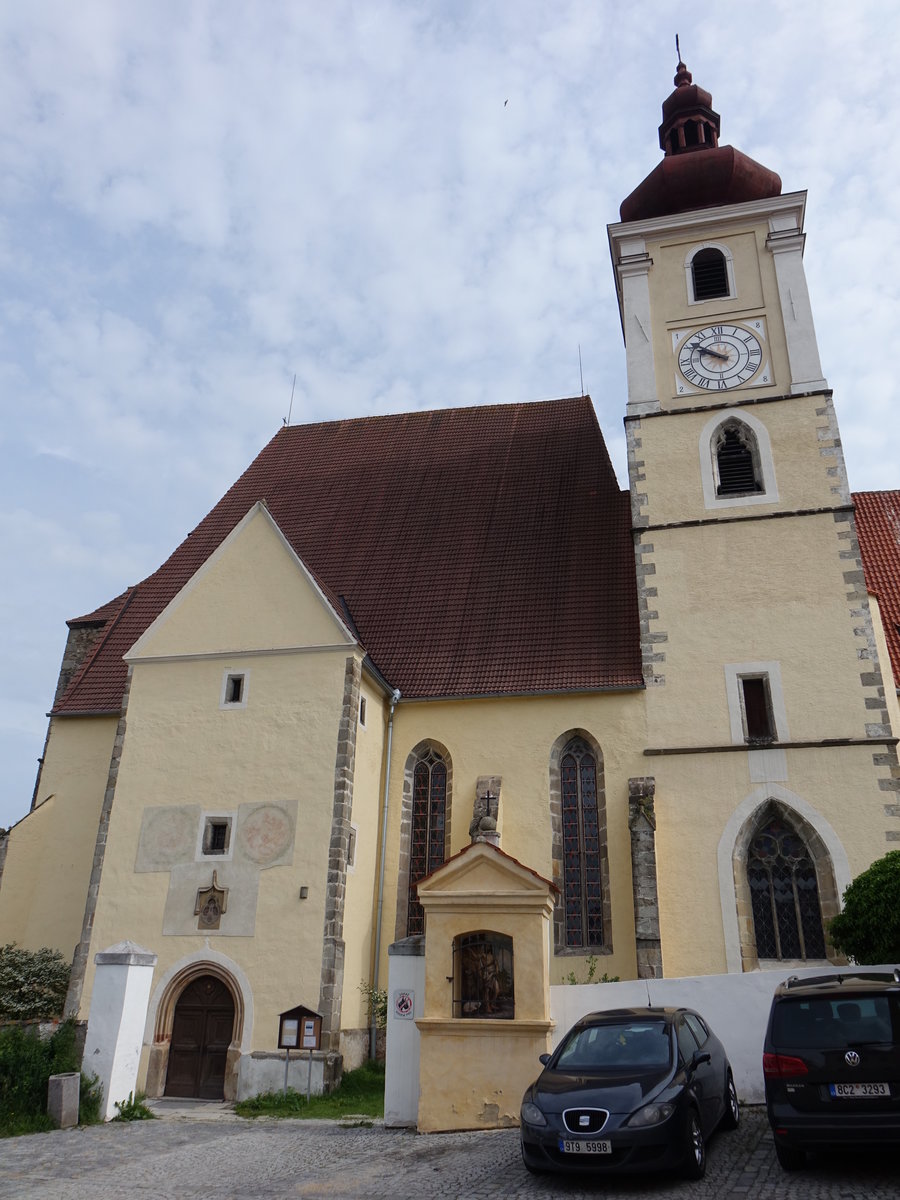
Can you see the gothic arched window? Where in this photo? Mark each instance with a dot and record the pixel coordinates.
(737, 461)
(428, 828)
(582, 850)
(709, 274)
(784, 893)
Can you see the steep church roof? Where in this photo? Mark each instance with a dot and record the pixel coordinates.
(696, 172)
(878, 529)
(476, 551)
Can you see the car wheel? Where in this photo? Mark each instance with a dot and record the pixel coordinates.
(732, 1115)
(790, 1157)
(695, 1148)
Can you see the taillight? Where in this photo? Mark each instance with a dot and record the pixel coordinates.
(780, 1066)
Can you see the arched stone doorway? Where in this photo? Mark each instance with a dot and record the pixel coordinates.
(202, 1030)
(198, 1030)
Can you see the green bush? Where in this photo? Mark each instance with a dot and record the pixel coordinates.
(868, 928)
(33, 983)
(26, 1064)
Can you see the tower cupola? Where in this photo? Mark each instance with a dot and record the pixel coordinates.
(696, 172)
(689, 122)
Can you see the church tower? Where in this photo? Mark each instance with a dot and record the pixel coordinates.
(769, 741)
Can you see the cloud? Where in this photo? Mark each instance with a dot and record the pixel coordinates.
(202, 200)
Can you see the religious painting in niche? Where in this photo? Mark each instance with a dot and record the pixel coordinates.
(211, 905)
(483, 976)
(784, 893)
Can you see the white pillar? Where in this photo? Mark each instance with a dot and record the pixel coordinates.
(406, 1001)
(112, 1048)
(785, 241)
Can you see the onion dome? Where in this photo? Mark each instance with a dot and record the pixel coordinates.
(696, 172)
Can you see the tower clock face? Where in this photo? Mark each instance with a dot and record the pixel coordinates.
(717, 358)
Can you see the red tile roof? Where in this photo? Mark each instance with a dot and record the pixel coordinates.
(878, 527)
(478, 550)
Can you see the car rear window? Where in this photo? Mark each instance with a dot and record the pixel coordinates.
(835, 1021)
(622, 1046)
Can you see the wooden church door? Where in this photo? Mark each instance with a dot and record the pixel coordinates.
(201, 1034)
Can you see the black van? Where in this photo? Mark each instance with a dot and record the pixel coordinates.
(831, 1063)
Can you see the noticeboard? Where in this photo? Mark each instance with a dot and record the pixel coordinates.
(299, 1029)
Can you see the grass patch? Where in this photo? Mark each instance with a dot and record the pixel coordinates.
(361, 1094)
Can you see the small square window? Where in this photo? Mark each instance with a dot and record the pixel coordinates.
(234, 689)
(217, 835)
(756, 702)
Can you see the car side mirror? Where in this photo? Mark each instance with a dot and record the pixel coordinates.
(543, 1059)
(700, 1057)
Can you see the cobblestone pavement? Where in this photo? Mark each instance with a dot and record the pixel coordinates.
(187, 1158)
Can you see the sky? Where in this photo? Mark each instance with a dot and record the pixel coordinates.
(401, 205)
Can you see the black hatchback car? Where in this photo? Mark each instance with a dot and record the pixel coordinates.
(831, 1063)
(632, 1089)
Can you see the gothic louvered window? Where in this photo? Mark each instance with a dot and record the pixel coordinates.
(736, 465)
(784, 894)
(582, 878)
(709, 274)
(429, 811)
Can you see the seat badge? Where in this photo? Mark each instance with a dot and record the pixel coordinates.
(851, 1058)
(584, 1120)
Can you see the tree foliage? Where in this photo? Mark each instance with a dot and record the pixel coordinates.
(33, 983)
(868, 928)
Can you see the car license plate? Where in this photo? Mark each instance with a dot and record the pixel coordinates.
(859, 1089)
(579, 1147)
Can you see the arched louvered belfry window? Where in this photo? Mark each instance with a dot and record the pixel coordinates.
(582, 848)
(709, 274)
(427, 835)
(784, 893)
(737, 461)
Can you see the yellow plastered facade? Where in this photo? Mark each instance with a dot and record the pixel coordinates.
(199, 756)
(51, 851)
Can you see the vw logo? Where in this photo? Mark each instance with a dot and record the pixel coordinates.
(851, 1058)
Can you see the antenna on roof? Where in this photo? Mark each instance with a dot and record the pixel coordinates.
(677, 48)
(287, 419)
(580, 369)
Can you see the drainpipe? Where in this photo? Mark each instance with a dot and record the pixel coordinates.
(373, 1029)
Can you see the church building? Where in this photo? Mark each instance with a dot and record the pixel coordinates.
(676, 704)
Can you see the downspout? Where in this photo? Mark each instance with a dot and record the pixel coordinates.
(373, 1029)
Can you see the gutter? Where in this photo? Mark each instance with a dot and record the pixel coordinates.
(373, 1029)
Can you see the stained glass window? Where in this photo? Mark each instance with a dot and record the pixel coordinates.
(784, 894)
(429, 810)
(582, 878)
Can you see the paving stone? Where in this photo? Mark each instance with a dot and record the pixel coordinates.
(213, 1155)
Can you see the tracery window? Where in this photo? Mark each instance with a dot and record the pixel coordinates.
(784, 894)
(581, 849)
(427, 838)
(737, 461)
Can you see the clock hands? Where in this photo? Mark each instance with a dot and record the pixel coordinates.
(711, 353)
